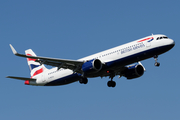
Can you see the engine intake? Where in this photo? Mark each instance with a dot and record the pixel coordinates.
(92, 66)
(134, 71)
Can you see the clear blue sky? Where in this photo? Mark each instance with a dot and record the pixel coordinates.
(72, 29)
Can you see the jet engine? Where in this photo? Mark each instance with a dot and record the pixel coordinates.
(134, 71)
(92, 66)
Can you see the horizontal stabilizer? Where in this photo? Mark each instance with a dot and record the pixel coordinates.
(21, 78)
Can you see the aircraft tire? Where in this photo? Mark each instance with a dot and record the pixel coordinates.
(157, 64)
(111, 83)
(83, 81)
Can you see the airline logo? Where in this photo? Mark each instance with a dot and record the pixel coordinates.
(34, 66)
(147, 39)
(32, 62)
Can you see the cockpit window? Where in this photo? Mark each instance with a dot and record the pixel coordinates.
(163, 37)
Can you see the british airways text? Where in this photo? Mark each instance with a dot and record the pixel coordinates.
(133, 47)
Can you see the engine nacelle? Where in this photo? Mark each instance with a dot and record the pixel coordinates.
(134, 71)
(92, 66)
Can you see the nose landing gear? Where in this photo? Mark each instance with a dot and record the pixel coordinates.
(157, 64)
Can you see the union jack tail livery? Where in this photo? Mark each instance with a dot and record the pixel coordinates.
(35, 67)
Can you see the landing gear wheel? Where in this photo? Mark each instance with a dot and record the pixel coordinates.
(83, 81)
(157, 64)
(111, 84)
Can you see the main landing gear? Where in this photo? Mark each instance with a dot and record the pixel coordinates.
(157, 64)
(83, 81)
(111, 83)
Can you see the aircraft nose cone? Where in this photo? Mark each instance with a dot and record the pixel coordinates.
(171, 43)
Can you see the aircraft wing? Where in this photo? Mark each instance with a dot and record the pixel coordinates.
(60, 63)
(21, 78)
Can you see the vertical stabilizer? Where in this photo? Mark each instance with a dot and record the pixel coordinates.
(35, 67)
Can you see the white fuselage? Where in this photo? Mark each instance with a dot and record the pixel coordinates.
(123, 55)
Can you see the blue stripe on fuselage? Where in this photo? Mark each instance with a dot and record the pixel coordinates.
(65, 80)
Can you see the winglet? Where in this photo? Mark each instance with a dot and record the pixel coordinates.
(13, 50)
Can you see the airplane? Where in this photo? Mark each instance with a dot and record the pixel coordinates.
(123, 60)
